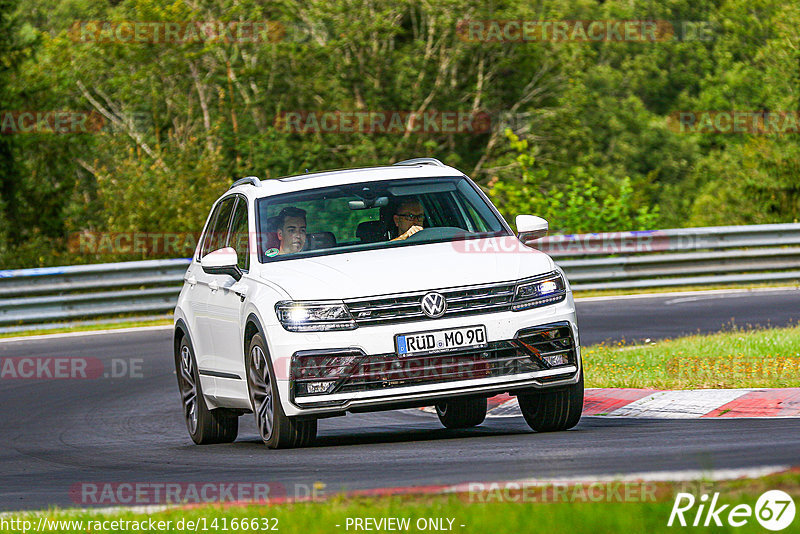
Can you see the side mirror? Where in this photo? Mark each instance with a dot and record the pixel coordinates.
(530, 227)
(222, 261)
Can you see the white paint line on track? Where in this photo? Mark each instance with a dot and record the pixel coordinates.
(699, 298)
(510, 408)
(87, 333)
(687, 404)
(710, 292)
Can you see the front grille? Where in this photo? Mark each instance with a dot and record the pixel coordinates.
(500, 358)
(472, 300)
(533, 349)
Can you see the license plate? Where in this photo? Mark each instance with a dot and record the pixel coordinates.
(432, 342)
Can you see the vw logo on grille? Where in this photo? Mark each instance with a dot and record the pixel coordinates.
(433, 305)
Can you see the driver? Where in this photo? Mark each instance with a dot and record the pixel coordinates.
(408, 218)
(291, 230)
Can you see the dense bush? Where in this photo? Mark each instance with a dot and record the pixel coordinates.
(591, 146)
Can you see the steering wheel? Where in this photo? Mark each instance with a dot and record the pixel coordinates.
(441, 232)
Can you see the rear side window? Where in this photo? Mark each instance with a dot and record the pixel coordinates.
(239, 238)
(217, 231)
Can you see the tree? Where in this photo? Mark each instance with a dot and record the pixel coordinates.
(9, 176)
(572, 202)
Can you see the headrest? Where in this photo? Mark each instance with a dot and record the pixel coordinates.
(370, 231)
(320, 240)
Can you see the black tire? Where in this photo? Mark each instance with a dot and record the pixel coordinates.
(553, 410)
(462, 412)
(205, 426)
(276, 429)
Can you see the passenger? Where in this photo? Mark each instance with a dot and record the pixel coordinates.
(408, 218)
(291, 230)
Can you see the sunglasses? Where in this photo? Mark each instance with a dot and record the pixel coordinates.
(412, 217)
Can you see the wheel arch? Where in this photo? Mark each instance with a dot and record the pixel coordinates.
(251, 328)
(181, 331)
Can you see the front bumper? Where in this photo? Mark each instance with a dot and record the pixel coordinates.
(379, 341)
(432, 392)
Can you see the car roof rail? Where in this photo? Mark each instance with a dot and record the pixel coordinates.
(249, 180)
(421, 161)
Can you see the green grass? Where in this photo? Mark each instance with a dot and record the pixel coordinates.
(768, 358)
(571, 510)
(88, 328)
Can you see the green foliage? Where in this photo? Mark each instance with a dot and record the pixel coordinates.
(183, 120)
(3, 230)
(11, 49)
(572, 202)
(758, 184)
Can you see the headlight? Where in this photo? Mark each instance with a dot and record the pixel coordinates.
(314, 316)
(540, 291)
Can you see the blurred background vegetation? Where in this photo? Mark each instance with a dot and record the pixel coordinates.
(579, 130)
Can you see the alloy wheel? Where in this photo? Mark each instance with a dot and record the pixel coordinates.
(261, 390)
(188, 389)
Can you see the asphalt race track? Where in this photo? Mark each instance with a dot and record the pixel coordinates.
(641, 317)
(57, 434)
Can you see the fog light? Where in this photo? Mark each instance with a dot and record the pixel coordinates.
(558, 359)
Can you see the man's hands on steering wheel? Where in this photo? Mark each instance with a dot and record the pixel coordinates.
(408, 233)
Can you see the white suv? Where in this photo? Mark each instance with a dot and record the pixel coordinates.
(370, 289)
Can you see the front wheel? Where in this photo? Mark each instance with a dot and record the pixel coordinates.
(277, 429)
(205, 426)
(462, 412)
(553, 410)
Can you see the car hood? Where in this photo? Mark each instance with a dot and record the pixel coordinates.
(405, 269)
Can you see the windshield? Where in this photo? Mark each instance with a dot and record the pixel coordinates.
(372, 215)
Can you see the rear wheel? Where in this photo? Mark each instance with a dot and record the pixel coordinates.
(553, 410)
(277, 430)
(462, 412)
(205, 426)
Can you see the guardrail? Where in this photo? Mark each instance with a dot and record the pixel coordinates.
(678, 257)
(619, 260)
(89, 291)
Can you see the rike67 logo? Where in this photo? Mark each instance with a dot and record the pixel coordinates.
(774, 510)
